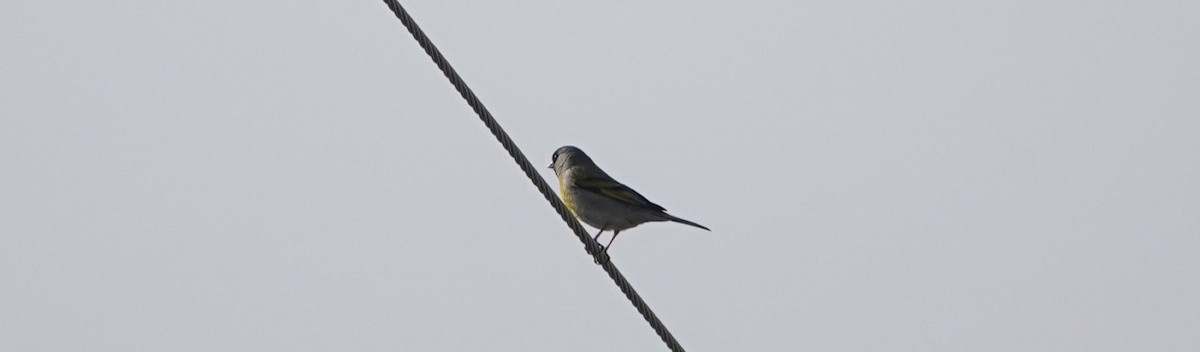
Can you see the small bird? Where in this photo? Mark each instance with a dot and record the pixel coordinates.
(599, 200)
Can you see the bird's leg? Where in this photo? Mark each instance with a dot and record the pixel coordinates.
(610, 241)
(597, 238)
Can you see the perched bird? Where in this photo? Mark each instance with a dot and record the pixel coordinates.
(599, 200)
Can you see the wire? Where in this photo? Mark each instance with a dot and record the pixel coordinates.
(593, 248)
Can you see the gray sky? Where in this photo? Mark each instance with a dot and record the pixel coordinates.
(878, 175)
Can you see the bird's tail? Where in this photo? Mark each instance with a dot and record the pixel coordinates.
(682, 221)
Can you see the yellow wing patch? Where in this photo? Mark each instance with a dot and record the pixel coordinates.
(615, 190)
(624, 195)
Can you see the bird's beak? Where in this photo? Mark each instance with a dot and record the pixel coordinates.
(551, 166)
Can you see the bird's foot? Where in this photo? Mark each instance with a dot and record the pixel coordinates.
(602, 258)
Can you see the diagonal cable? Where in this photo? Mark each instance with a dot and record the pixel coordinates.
(589, 244)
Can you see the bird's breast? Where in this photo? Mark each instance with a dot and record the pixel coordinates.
(566, 196)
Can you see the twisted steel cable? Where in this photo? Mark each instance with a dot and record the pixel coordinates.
(593, 248)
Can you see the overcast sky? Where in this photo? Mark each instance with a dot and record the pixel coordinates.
(879, 175)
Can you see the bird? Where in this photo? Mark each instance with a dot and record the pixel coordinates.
(599, 200)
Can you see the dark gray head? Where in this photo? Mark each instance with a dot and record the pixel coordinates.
(568, 157)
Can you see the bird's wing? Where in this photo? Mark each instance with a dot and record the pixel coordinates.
(611, 188)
